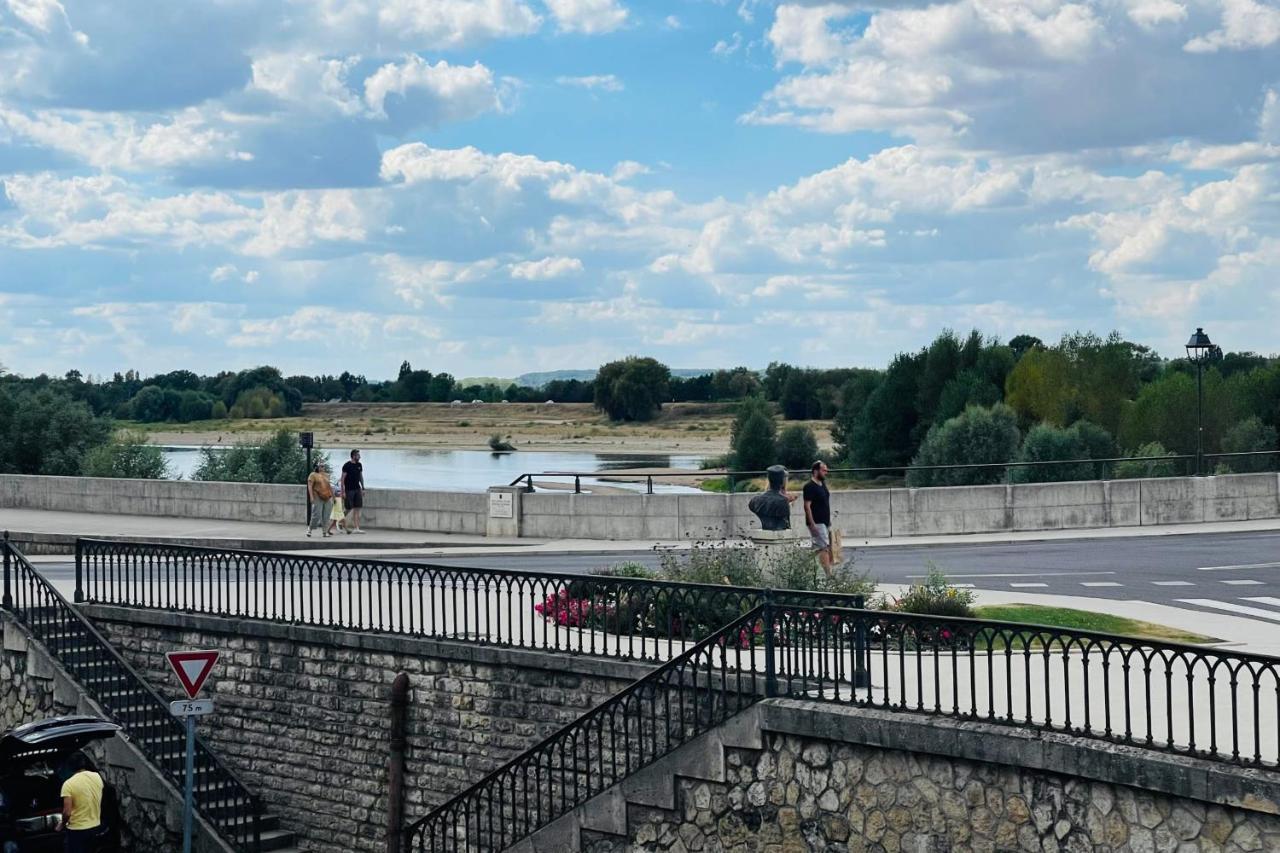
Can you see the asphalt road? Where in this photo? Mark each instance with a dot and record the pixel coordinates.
(1236, 573)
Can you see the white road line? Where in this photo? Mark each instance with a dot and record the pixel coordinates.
(1173, 583)
(1100, 583)
(1262, 599)
(1026, 585)
(1259, 613)
(963, 585)
(1022, 575)
(1244, 583)
(1241, 566)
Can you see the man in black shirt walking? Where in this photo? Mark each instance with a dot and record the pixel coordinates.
(353, 492)
(817, 513)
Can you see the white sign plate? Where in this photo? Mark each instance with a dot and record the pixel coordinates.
(191, 707)
(502, 505)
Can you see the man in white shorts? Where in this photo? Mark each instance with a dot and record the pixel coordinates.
(817, 513)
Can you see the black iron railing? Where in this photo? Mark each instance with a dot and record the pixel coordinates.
(691, 694)
(632, 618)
(1194, 700)
(1179, 464)
(144, 716)
(1176, 698)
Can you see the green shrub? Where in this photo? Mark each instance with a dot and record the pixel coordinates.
(497, 443)
(753, 436)
(128, 456)
(1248, 436)
(975, 437)
(934, 597)
(797, 448)
(1153, 468)
(279, 459)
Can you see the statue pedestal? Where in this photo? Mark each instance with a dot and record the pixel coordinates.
(772, 546)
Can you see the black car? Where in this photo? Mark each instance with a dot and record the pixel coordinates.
(31, 776)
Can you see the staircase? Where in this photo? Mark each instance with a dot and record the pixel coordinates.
(222, 799)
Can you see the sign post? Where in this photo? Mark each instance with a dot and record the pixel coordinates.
(192, 668)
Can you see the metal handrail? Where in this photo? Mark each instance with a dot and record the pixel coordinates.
(1166, 696)
(732, 476)
(630, 618)
(220, 795)
(646, 721)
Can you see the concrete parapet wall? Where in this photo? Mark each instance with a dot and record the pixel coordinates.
(861, 514)
(390, 509)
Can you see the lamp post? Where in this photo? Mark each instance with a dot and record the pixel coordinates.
(306, 441)
(1198, 351)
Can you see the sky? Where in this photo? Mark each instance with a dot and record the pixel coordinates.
(492, 187)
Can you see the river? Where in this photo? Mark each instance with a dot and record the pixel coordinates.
(474, 470)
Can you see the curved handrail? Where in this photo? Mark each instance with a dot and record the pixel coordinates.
(24, 608)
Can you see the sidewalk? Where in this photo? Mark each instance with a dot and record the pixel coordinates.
(64, 527)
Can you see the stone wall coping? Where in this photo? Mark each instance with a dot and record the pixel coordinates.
(1251, 789)
(578, 664)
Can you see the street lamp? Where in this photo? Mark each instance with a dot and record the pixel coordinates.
(1198, 350)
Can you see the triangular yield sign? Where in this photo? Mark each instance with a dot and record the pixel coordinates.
(192, 668)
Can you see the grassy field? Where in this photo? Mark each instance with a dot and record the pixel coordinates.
(1087, 620)
(700, 429)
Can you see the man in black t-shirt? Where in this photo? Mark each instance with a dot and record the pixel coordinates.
(817, 513)
(353, 492)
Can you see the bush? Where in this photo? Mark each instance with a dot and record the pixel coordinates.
(258, 403)
(127, 456)
(1248, 436)
(753, 436)
(977, 436)
(797, 448)
(277, 460)
(219, 411)
(935, 597)
(1048, 443)
(498, 444)
(1154, 468)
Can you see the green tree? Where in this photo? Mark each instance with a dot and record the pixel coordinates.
(1038, 388)
(195, 406)
(1020, 345)
(977, 436)
(632, 389)
(1048, 443)
(46, 432)
(797, 447)
(1248, 436)
(148, 405)
(753, 436)
(854, 395)
(128, 456)
(1165, 412)
(881, 434)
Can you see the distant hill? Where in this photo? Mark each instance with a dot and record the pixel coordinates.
(537, 380)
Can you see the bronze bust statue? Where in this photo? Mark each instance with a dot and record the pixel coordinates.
(773, 508)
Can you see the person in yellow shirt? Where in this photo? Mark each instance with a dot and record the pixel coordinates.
(81, 805)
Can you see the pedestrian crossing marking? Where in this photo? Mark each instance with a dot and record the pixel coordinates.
(1100, 583)
(1173, 583)
(1244, 583)
(1027, 585)
(1243, 610)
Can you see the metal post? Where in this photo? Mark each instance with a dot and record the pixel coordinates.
(861, 673)
(1199, 417)
(79, 595)
(308, 518)
(7, 601)
(577, 484)
(770, 664)
(650, 484)
(188, 807)
(395, 765)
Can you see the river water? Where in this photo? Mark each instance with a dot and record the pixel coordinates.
(474, 470)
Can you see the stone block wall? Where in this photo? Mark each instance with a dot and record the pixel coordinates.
(302, 714)
(808, 794)
(849, 780)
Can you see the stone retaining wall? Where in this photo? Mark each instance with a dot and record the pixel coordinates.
(829, 780)
(302, 714)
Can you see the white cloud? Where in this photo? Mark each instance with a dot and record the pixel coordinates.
(418, 282)
(417, 92)
(725, 48)
(449, 23)
(672, 22)
(417, 162)
(318, 82)
(1153, 13)
(111, 140)
(229, 272)
(1246, 24)
(604, 82)
(587, 16)
(546, 268)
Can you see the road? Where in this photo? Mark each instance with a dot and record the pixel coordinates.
(1233, 573)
